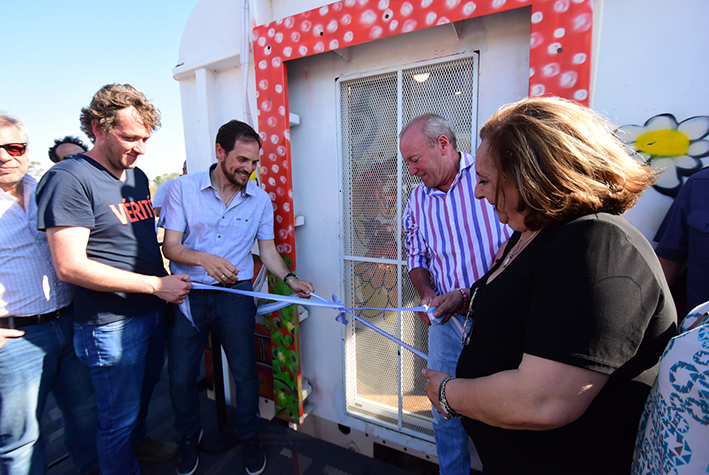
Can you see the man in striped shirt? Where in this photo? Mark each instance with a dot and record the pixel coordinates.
(36, 350)
(451, 240)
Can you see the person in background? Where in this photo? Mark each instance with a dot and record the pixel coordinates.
(683, 237)
(163, 190)
(36, 351)
(212, 220)
(66, 148)
(674, 429)
(569, 324)
(445, 257)
(100, 226)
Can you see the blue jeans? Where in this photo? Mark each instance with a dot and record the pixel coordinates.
(41, 360)
(126, 359)
(232, 318)
(444, 348)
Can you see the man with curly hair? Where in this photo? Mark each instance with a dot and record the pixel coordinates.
(99, 221)
(66, 148)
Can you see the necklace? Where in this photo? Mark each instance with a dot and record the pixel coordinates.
(226, 202)
(518, 248)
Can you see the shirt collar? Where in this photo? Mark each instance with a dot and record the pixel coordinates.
(467, 160)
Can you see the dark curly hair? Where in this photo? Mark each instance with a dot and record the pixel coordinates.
(68, 139)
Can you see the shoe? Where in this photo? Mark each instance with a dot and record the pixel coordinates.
(254, 456)
(149, 450)
(188, 458)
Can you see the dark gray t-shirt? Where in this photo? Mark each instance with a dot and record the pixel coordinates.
(80, 192)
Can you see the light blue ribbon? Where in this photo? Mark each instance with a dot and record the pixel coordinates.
(283, 301)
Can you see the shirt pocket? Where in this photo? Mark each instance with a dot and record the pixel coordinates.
(242, 226)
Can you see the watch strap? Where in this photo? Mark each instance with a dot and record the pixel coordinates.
(447, 409)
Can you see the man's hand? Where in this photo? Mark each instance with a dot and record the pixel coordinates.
(423, 315)
(303, 287)
(447, 305)
(174, 288)
(421, 279)
(432, 385)
(9, 333)
(219, 268)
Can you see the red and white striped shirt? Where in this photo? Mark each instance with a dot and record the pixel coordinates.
(453, 235)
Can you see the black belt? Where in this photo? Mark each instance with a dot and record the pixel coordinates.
(19, 322)
(226, 286)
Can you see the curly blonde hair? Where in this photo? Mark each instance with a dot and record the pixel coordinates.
(563, 159)
(112, 98)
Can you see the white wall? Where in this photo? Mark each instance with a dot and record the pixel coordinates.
(652, 57)
(210, 77)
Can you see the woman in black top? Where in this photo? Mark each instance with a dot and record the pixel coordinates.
(569, 324)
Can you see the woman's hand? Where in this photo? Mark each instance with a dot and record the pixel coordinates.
(434, 382)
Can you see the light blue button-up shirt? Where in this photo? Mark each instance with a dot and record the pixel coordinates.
(28, 282)
(194, 208)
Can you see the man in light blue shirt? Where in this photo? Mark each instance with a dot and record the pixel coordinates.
(212, 220)
(36, 350)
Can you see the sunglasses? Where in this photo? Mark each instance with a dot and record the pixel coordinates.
(15, 149)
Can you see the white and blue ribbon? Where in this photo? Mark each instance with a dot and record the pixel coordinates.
(282, 301)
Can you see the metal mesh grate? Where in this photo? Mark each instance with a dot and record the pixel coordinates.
(446, 89)
(384, 383)
(369, 145)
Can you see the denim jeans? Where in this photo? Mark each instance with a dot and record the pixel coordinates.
(444, 348)
(126, 359)
(41, 360)
(232, 318)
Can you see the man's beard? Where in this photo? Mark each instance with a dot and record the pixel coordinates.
(230, 176)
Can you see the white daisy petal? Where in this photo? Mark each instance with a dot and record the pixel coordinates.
(700, 148)
(660, 122)
(695, 127)
(684, 161)
(628, 133)
(668, 178)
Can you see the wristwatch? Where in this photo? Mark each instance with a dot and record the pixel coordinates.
(288, 277)
(447, 409)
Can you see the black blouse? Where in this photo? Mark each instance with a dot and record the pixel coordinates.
(589, 293)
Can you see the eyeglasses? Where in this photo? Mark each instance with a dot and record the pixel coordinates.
(15, 149)
(69, 156)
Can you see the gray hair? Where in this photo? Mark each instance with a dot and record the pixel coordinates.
(9, 122)
(432, 127)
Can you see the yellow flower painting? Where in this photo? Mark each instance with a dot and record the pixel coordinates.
(677, 149)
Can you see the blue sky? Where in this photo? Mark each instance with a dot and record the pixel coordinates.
(57, 54)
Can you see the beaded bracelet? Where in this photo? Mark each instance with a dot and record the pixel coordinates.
(465, 299)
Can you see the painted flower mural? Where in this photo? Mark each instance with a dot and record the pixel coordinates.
(678, 148)
(374, 209)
